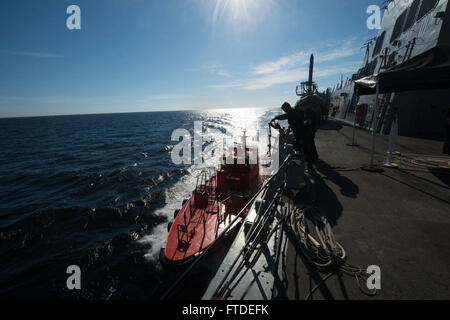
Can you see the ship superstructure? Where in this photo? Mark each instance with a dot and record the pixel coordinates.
(408, 29)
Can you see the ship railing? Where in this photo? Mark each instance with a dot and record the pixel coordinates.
(219, 217)
(200, 184)
(267, 183)
(205, 176)
(258, 234)
(182, 229)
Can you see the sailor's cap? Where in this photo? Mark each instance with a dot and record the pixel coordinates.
(285, 105)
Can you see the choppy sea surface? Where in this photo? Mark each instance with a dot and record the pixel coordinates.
(97, 191)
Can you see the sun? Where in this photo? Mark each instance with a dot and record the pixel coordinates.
(234, 10)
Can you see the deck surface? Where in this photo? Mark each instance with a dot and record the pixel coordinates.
(397, 219)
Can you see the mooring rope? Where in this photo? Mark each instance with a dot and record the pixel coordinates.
(322, 250)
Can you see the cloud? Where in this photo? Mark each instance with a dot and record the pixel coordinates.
(283, 62)
(342, 50)
(68, 100)
(286, 76)
(48, 99)
(162, 97)
(236, 84)
(292, 68)
(347, 49)
(32, 54)
(215, 68)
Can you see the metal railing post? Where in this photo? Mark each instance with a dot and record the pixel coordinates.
(353, 144)
(374, 129)
(392, 138)
(372, 167)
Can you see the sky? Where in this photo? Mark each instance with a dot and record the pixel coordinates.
(158, 55)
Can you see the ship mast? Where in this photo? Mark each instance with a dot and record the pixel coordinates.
(311, 71)
(309, 87)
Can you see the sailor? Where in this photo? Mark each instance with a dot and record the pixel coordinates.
(309, 125)
(294, 120)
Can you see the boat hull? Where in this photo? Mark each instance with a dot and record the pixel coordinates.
(202, 218)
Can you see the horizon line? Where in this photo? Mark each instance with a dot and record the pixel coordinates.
(128, 112)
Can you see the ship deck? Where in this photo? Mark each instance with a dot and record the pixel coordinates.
(398, 219)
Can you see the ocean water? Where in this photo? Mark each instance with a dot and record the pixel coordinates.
(96, 191)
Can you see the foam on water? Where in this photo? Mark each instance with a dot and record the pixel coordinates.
(231, 124)
(97, 191)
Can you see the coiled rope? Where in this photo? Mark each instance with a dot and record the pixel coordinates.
(322, 250)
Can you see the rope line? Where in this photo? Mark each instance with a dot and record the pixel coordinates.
(184, 275)
(323, 251)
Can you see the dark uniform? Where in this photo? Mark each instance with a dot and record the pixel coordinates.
(308, 135)
(294, 119)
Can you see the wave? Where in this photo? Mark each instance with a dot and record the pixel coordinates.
(98, 194)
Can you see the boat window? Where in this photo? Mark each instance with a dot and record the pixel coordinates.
(399, 26)
(378, 44)
(427, 6)
(412, 13)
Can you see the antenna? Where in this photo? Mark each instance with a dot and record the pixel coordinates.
(308, 87)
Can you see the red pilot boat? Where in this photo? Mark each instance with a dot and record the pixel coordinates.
(217, 199)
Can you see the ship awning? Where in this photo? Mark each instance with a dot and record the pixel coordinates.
(429, 70)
